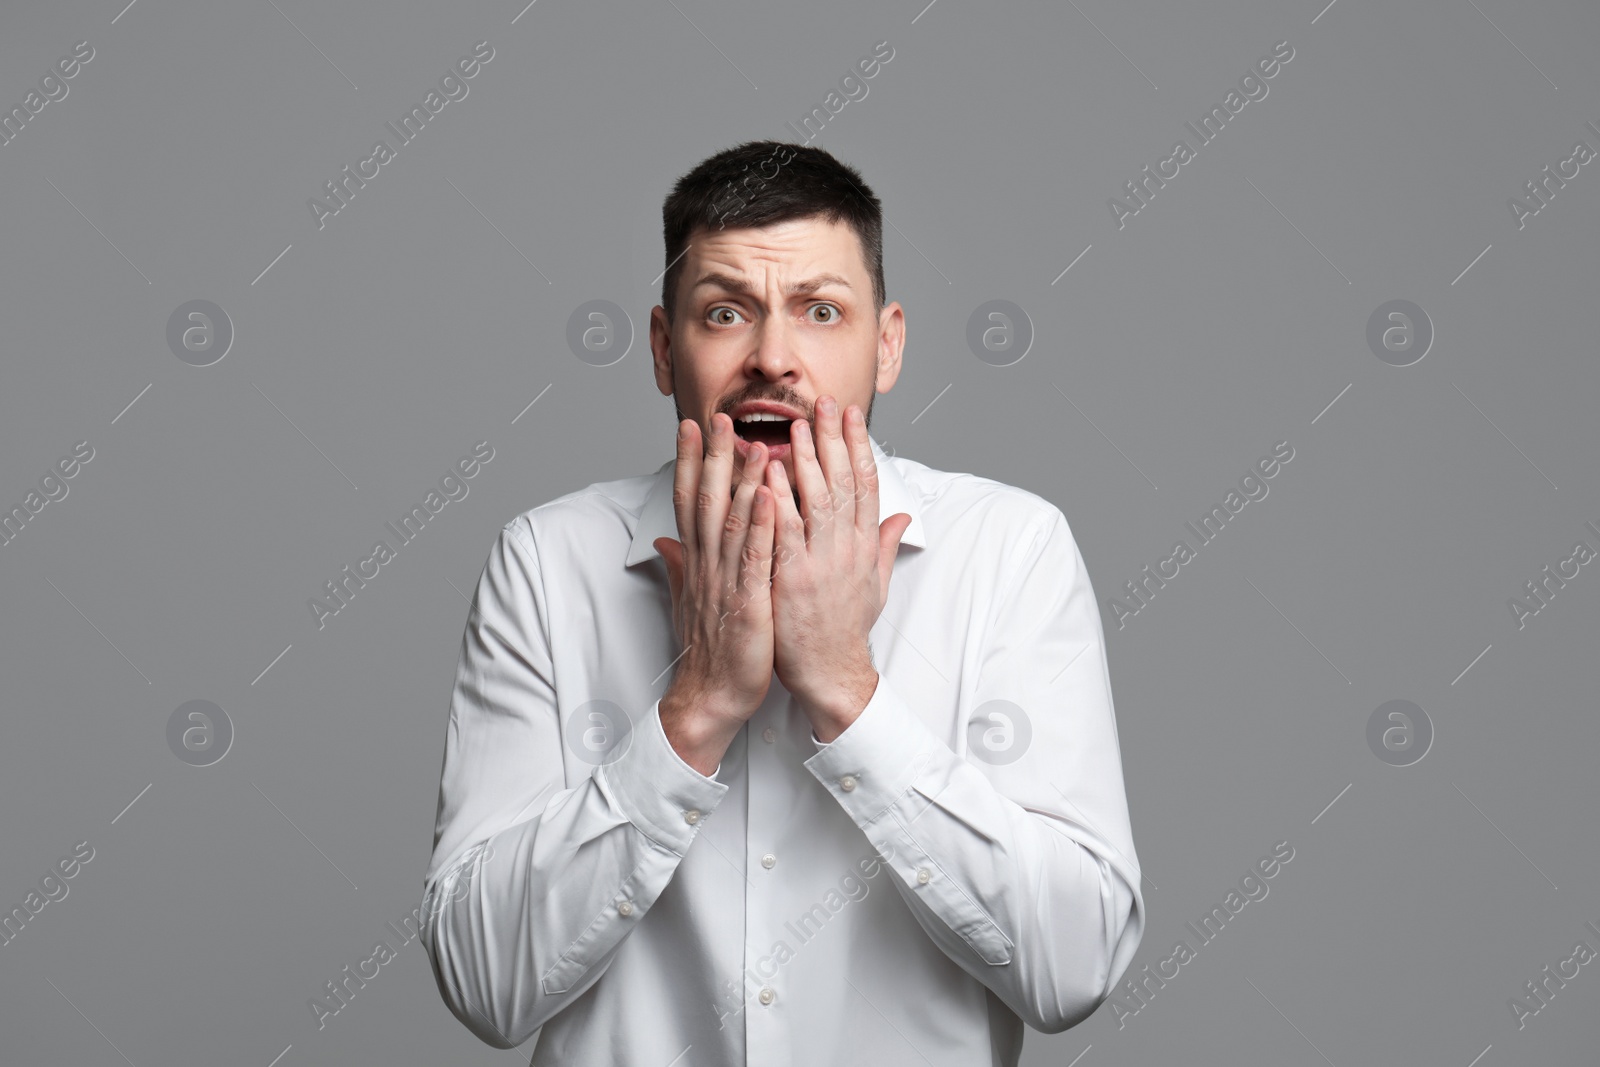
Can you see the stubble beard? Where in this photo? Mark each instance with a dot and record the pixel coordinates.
(793, 488)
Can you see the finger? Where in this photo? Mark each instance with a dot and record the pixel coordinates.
(865, 467)
(888, 548)
(833, 456)
(816, 505)
(685, 486)
(737, 527)
(756, 575)
(672, 556)
(789, 530)
(716, 476)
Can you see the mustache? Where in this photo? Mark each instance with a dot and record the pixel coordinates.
(791, 400)
(808, 411)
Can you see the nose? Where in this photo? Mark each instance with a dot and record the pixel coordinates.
(773, 357)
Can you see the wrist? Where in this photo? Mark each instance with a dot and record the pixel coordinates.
(698, 735)
(832, 715)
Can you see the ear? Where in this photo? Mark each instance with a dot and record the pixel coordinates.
(661, 349)
(891, 342)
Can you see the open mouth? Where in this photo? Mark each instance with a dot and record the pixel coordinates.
(770, 430)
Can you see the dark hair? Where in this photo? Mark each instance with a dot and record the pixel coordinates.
(762, 183)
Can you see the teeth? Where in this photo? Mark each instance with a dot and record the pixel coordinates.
(763, 416)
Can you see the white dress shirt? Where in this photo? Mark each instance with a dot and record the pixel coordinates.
(944, 871)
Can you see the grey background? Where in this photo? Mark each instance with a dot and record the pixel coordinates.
(1228, 315)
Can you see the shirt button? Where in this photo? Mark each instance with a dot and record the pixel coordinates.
(767, 996)
(768, 736)
(847, 783)
(625, 908)
(768, 860)
(691, 816)
(923, 876)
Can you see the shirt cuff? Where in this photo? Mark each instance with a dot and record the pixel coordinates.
(873, 763)
(655, 789)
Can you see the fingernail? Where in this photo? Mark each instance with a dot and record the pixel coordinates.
(683, 430)
(829, 406)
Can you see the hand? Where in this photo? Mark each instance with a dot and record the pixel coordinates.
(831, 568)
(720, 580)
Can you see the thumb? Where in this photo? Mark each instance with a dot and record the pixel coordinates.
(889, 533)
(672, 555)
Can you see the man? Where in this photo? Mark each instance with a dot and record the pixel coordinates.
(796, 786)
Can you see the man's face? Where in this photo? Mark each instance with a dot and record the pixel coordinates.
(776, 316)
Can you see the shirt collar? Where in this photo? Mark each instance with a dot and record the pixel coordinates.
(657, 519)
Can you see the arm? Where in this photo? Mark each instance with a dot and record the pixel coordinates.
(1032, 883)
(534, 883)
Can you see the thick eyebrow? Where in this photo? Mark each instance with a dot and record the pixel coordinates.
(738, 285)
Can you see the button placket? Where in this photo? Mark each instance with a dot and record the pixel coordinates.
(772, 771)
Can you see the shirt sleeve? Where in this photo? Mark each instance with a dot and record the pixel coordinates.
(1017, 857)
(537, 874)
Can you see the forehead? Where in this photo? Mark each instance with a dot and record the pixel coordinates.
(790, 250)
